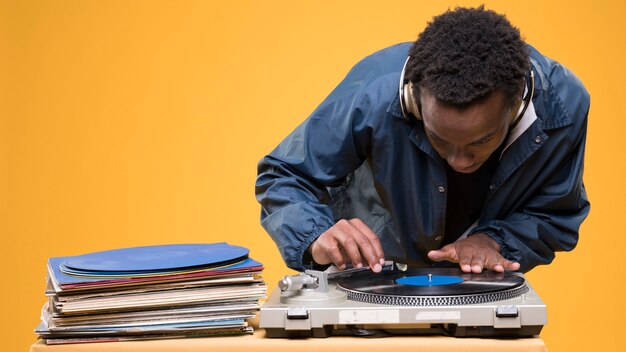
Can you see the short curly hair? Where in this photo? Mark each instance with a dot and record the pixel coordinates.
(465, 54)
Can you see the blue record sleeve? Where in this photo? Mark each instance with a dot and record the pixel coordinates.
(247, 265)
(156, 259)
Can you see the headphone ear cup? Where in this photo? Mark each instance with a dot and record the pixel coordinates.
(416, 111)
(409, 101)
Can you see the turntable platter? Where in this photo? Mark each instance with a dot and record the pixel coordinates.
(440, 286)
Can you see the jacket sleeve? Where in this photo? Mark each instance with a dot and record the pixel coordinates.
(292, 180)
(549, 222)
(550, 218)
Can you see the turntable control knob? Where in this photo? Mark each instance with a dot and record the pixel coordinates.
(284, 283)
(296, 282)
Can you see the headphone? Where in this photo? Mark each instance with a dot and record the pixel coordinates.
(409, 105)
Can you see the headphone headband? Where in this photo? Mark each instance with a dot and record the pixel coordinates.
(409, 106)
(526, 100)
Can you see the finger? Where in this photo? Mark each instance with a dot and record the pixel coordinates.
(500, 264)
(319, 253)
(494, 265)
(363, 237)
(445, 253)
(509, 265)
(477, 263)
(373, 238)
(351, 240)
(325, 250)
(371, 248)
(337, 256)
(465, 260)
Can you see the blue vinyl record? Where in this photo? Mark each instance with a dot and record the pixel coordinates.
(158, 258)
(70, 281)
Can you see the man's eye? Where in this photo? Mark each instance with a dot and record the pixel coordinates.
(437, 140)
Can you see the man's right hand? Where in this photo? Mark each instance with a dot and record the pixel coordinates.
(349, 241)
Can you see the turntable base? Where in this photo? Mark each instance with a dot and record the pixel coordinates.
(480, 305)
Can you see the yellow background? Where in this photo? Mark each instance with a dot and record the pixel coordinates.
(127, 123)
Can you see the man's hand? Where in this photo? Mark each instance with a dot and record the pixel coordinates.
(474, 253)
(349, 241)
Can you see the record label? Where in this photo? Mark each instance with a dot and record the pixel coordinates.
(429, 280)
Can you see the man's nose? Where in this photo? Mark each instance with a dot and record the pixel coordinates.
(460, 161)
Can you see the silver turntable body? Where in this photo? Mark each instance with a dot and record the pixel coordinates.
(319, 304)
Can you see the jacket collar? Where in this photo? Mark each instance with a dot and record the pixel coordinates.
(527, 119)
(549, 106)
(394, 108)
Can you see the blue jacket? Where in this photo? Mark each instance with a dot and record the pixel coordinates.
(356, 156)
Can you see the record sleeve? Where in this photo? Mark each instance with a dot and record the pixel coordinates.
(150, 259)
(62, 281)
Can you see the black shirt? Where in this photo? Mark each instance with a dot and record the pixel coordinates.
(466, 196)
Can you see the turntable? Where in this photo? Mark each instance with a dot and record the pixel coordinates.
(404, 302)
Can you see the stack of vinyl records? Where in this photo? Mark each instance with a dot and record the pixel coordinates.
(153, 292)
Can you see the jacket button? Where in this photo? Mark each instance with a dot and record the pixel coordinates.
(438, 238)
(441, 189)
(538, 139)
(492, 186)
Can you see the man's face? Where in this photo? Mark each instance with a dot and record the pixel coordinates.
(466, 137)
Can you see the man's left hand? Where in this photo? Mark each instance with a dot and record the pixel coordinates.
(474, 253)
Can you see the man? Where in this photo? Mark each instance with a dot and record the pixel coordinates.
(464, 147)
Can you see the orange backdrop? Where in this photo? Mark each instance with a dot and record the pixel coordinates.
(127, 123)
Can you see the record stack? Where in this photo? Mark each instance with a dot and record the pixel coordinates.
(154, 292)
